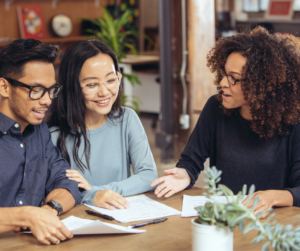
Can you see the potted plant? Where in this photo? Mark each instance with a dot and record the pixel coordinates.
(212, 230)
(110, 32)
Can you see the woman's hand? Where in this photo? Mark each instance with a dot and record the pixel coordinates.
(174, 181)
(111, 200)
(269, 199)
(75, 175)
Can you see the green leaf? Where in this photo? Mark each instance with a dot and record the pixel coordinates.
(111, 30)
(255, 203)
(131, 47)
(242, 225)
(266, 246)
(238, 219)
(251, 191)
(226, 191)
(122, 20)
(248, 229)
(269, 218)
(244, 191)
(137, 99)
(258, 238)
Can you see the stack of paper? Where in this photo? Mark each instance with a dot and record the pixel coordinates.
(190, 202)
(82, 226)
(141, 208)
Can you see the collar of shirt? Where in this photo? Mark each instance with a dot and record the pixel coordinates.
(6, 124)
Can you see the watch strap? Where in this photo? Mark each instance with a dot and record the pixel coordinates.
(55, 205)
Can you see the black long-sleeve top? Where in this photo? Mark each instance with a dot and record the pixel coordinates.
(243, 157)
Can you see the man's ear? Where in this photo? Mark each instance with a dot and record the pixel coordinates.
(4, 88)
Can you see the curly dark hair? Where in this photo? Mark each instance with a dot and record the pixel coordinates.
(271, 78)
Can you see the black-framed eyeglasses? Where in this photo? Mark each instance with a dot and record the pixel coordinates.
(37, 92)
(230, 78)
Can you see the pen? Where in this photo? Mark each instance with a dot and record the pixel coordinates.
(147, 223)
(104, 216)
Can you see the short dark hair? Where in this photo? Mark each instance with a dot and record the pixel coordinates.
(16, 54)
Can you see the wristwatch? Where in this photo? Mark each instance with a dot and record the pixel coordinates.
(55, 205)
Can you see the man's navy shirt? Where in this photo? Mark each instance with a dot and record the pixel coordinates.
(30, 165)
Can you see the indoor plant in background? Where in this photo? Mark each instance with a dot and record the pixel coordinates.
(217, 221)
(121, 42)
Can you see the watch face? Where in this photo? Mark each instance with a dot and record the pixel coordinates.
(62, 25)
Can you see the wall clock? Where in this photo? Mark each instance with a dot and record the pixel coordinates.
(61, 25)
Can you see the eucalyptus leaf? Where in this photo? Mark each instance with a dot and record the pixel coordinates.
(235, 213)
(266, 246)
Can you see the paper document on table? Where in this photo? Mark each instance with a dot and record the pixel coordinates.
(190, 202)
(141, 208)
(83, 226)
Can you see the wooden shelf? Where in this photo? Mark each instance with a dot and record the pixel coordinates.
(261, 20)
(63, 39)
(54, 40)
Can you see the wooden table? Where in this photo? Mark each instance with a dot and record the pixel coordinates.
(174, 234)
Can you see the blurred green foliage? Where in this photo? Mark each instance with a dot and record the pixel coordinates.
(234, 213)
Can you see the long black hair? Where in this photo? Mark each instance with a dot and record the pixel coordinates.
(67, 111)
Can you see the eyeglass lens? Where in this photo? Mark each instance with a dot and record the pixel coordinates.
(38, 92)
(230, 79)
(111, 84)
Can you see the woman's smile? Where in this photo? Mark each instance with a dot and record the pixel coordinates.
(103, 102)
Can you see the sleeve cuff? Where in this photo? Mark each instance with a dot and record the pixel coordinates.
(71, 186)
(296, 195)
(88, 196)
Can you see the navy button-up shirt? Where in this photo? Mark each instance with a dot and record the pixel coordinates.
(30, 165)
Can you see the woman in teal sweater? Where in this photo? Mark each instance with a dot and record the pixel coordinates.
(99, 138)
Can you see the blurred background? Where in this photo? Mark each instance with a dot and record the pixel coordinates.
(162, 48)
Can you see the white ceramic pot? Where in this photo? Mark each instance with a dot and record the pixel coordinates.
(211, 238)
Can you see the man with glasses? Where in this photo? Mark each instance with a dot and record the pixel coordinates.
(32, 169)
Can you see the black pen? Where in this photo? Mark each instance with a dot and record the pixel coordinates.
(104, 216)
(148, 223)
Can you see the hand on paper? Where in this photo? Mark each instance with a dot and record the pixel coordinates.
(75, 175)
(46, 227)
(109, 199)
(268, 199)
(174, 180)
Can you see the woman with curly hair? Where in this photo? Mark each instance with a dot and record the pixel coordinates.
(250, 129)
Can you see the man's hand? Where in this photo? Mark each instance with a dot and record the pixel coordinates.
(269, 199)
(45, 226)
(109, 199)
(174, 181)
(75, 175)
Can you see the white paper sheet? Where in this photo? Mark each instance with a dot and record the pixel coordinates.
(190, 202)
(141, 208)
(82, 226)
